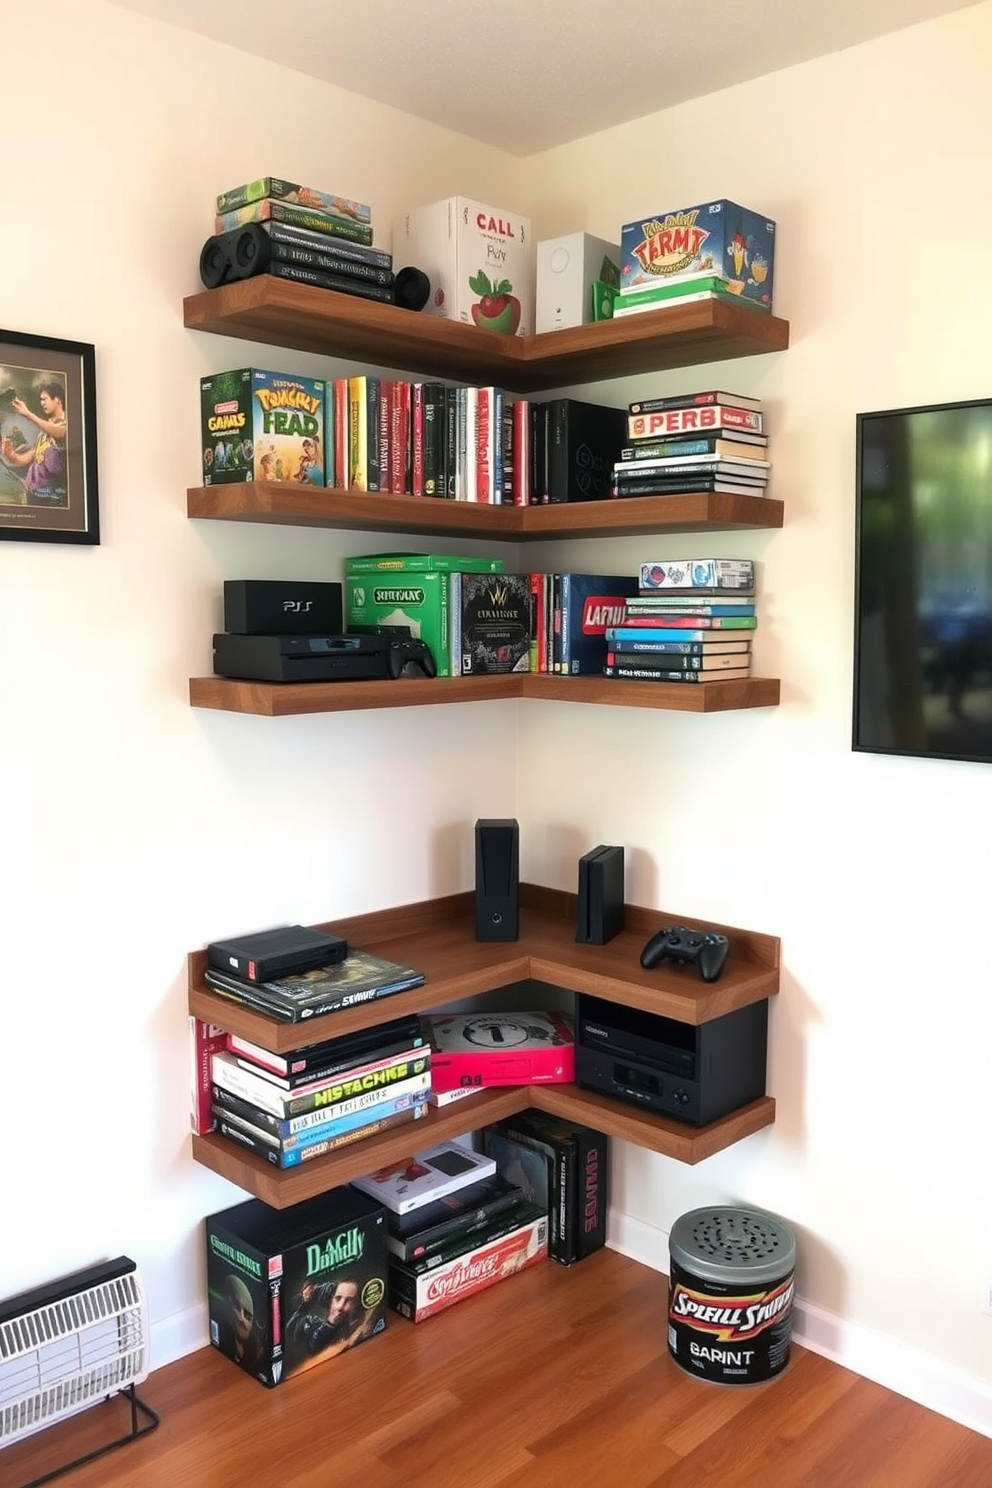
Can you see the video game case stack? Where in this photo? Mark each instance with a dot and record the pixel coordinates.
(691, 442)
(315, 237)
(692, 621)
(454, 1226)
(562, 1165)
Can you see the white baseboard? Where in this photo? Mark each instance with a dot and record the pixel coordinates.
(910, 1372)
(176, 1336)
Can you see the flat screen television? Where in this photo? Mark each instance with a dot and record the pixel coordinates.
(923, 591)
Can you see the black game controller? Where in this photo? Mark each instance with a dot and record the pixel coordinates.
(403, 649)
(707, 948)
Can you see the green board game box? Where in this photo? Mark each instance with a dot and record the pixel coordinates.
(415, 598)
(263, 426)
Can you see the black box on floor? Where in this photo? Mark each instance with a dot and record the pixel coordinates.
(295, 1287)
(574, 1182)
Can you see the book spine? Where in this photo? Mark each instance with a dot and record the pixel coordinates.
(373, 404)
(750, 447)
(358, 426)
(591, 1190)
(451, 1246)
(205, 1040)
(362, 1110)
(506, 449)
(676, 621)
(384, 431)
(520, 416)
(656, 674)
(256, 1141)
(417, 483)
(282, 1128)
(470, 448)
(485, 475)
(536, 581)
(455, 622)
(451, 443)
(367, 1080)
(564, 603)
(433, 431)
(423, 1244)
(557, 435)
(632, 633)
(692, 661)
(331, 1066)
(330, 262)
(359, 252)
(696, 400)
(273, 186)
(691, 420)
(271, 210)
(339, 283)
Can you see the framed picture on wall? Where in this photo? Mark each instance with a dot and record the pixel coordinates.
(48, 464)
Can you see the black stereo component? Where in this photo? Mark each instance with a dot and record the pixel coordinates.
(694, 1072)
(601, 907)
(497, 879)
(268, 607)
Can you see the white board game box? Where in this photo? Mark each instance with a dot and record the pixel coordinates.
(429, 1175)
(479, 260)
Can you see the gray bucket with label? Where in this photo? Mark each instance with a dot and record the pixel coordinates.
(730, 1294)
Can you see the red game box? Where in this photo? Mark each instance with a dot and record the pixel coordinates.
(473, 1049)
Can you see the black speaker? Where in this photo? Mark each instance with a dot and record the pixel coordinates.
(601, 904)
(239, 254)
(497, 879)
(411, 289)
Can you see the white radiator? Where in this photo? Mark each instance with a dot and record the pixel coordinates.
(71, 1344)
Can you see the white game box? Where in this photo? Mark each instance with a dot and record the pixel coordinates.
(429, 1175)
(567, 269)
(479, 259)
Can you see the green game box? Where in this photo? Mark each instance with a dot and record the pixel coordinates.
(263, 426)
(416, 599)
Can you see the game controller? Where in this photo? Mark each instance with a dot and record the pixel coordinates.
(707, 948)
(404, 649)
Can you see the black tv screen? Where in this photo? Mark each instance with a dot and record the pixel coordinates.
(923, 592)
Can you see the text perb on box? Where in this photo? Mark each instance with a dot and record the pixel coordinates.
(479, 259)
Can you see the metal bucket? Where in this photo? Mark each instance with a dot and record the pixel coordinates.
(730, 1294)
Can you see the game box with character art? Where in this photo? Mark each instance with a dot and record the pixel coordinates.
(291, 1288)
(715, 238)
(263, 426)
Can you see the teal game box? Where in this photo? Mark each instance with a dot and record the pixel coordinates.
(718, 238)
(263, 426)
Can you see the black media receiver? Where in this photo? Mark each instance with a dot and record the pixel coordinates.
(696, 1073)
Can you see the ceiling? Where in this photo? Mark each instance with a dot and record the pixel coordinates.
(525, 75)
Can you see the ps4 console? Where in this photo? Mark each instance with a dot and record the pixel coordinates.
(693, 1072)
(318, 658)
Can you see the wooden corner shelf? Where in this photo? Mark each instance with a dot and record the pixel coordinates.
(438, 937)
(290, 505)
(278, 312)
(286, 699)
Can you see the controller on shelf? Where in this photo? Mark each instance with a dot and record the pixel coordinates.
(706, 948)
(404, 649)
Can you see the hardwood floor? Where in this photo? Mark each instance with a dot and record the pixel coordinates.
(554, 1377)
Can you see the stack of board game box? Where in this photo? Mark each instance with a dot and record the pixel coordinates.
(562, 1165)
(454, 1226)
(707, 441)
(691, 622)
(291, 1288)
(715, 251)
(315, 237)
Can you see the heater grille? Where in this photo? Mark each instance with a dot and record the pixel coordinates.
(72, 1344)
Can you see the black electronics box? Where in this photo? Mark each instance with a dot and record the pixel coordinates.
(302, 658)
(694, 1072)
(497, 879)
(290, 1288)
(267, 607)
(584, 444)
(276, 953)
(601, 903)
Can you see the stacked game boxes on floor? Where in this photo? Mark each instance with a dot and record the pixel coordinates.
(563, 1166)
(306, 234)
(454, 1226)
(708, 441)
(715, 251)
(691, 621)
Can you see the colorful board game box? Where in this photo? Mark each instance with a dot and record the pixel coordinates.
(697, 573)
(530, 1048)
(494, 623)
(288, 1289)
(716, 238)
(412, 598)
(479, 260)
(262, 426)
(291, 191)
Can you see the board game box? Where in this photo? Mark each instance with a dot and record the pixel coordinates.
(715, 238)
(420, 1294)
(416, 599)
(288, 1289)
(262, 426)
(683, 574)
(479, 260)
(500, 1049)
(494, 623)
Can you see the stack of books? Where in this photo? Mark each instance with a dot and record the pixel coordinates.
(709, 441)
(691, 621)
(290, 1108)
(562, 1165)
(297, 996)
(316, 237)
(454, 1227)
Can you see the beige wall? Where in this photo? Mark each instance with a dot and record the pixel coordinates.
(135, 828)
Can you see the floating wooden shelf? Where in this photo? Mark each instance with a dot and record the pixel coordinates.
(283, 699)
(278, 312)
(438, 937)
(299, 506)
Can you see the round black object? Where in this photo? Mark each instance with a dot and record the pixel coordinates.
(411, 289)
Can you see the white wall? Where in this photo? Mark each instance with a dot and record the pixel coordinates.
(135, 828)
(874, 164)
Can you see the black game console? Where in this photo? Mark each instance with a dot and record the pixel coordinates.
(276, 953)
(319, 658)
(282, 607)
(706, 949)
(694, 1072)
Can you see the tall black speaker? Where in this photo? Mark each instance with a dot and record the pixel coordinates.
(497, 879)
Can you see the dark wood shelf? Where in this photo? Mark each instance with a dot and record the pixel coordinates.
(299, 506)
(285, 699)
(278, 312)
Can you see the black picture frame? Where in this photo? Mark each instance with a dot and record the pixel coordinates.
(48, 483)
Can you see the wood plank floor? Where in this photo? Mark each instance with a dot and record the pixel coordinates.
(554, 1377)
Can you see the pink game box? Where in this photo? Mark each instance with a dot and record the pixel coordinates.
(473, 1049)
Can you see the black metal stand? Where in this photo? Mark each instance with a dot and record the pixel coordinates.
(150, 1421)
